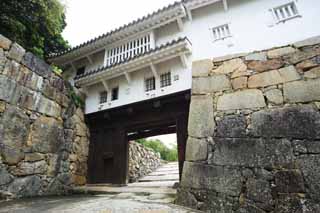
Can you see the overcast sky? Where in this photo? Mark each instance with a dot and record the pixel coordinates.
(87, 19)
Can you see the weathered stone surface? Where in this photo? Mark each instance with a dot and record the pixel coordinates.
(313, 73)
(240, 83)
(233, 126)
(201, 121)
(273, 77)
(33, 157)
(274, 96)
(309, 165)
(288, 203)
(266, 153)
(5, 177)
(289, 181)
(14, 128)
(234, 65)
(46, 135)
(7, 88)
(259, 191)
(306, 65)
(16, 52)
(197, 149)
(202, 67)
(185, 198)
(306, 147)
(228, 57)
(302, 91)
(260, 56)
(49, 107)
(215, 83)
(37, 65)
(303, 55)
(27, 168)
(276, 53)
(290, 122)
(240, 73)
(245, 99)
(308, 42)
(79, 180)
(25, 187)
(261, 66)
(219, 179)
(4, 42)
(2, 106)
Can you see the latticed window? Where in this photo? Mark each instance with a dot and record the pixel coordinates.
(150, 84)
(285, 12)
(103, 97)
(221, 32)
(128, 50)
(165, 79)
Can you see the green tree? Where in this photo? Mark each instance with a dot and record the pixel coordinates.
(168, 154)
(35, 24)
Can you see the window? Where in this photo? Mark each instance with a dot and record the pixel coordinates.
(150, 84)
(221, 32)
(103, 97)
(115, 94)
(165, 79)
(285, 12)
(81, 70)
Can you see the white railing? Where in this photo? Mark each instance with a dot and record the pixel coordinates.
(129, 49)
(285, 12)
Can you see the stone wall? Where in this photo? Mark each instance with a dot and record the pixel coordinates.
(142, 161)
(43, 137)
(254, 132)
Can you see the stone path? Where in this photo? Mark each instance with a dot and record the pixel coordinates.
(152, 194)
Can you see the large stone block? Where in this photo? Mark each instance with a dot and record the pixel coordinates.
(197, 149)
(5, 177)
(49, 107)
(7, 88)
(232, 126)
(300, 56)
(274, 96)
(234, 65)
(16, 52)
(27, 168)
(260, 56)
(308, 42)
(14, 129)
(4, 42)
(276, 53)
(309, 165)
(245, 99)
(261, 66)
(201, 121)
(302, 91)
(290, 122)
(216, 178)
(202, 67)
(215, 83)
(289, 181)
(240, 83)
(266, 153)
(37, 65)
(46, 135)
(273, 77)
(26, 187)
(313, 73)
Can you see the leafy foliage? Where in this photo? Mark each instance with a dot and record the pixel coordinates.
(158, 146)
(35, 24)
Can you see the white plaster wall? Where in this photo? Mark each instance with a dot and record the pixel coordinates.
(252, 27)
(135, 92)
(251, 23)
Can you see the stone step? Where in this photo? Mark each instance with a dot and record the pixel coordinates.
(138, 189)
(160, 178)
(168, 184)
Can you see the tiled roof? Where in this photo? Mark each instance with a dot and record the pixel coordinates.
(53, 55)
(133, 58)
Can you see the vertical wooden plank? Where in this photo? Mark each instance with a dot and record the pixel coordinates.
(182, 136)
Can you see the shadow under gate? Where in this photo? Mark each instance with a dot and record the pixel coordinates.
(112, 129)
